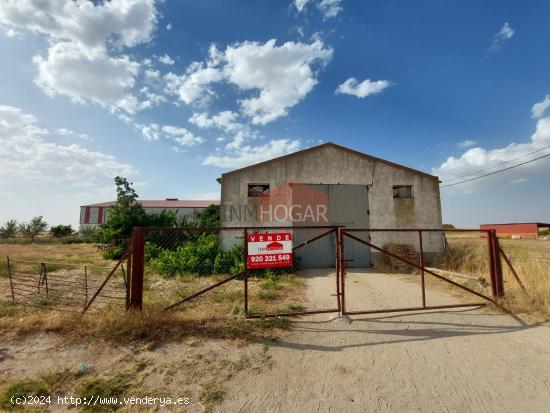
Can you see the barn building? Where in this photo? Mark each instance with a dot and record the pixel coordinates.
(529, 230)
(333, 185)
(93, 215)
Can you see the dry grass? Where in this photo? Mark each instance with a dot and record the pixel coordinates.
(530, 258)
(152, 326)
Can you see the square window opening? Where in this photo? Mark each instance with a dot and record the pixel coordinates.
(402, 191)
(258, 190)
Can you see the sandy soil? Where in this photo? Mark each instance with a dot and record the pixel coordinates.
(454, 360)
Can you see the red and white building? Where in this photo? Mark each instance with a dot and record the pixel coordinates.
(530, 230)
(93, 215)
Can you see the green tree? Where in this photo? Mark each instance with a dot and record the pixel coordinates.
(60, 231)
(126, 214)
(34, 227)
(210, 217)
(9, 229)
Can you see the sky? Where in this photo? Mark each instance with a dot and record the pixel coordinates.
(173, 93)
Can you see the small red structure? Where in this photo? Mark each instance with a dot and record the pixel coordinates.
(530, 230)
(274, 246)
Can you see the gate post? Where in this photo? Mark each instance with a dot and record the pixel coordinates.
(135, 276)
(342, 273)
(245, 259)
(499, 282)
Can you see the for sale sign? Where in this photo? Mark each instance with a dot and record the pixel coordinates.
(269, 250)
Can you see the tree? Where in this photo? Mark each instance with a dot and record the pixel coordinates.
(33, 228)
(210, 217)
(9, 229)
(60, 231)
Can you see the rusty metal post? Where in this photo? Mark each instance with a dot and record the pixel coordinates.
(86, 284)
(11, 282)
(245, 259)
(337, 252)
(343, 273)
(135, 284)
(45, 280)
(421, 259)
(499, 281)
(491, 258)
(129, 272)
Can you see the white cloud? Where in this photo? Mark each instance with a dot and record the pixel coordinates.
(194, 84)
(226, 121)
(479, 158)
(169, 26)
(97, 77)
(183, 137)
(282, 75)
(329, 8)
(116, 23)
(505, 33)
(466, 143)
(248, 155)
(539, 108)
(167, 60)
(71, 133)
(363, 89)
(84, 60)
(26, 157)
(151, 132)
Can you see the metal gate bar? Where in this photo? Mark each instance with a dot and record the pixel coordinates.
(345, 232)
(332, 229)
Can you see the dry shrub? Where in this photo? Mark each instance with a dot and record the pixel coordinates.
(535, 300)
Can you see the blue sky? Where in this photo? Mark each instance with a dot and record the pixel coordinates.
(174, 93)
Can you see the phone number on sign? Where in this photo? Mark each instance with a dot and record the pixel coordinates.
(270, 258)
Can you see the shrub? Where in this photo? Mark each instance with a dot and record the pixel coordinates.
(200, 257)
(61, 231)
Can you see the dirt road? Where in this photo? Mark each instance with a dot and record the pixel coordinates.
(455, 360)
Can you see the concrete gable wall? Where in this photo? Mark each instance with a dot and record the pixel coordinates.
(330, 165)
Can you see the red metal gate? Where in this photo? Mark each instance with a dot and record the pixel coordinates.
(370, 290)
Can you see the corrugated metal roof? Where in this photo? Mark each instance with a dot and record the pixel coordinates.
(163, 203)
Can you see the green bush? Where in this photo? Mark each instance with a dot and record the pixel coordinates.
(201, 257)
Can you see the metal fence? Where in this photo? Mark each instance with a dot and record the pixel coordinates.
(208, 266)
(66, 287)
(410, 270)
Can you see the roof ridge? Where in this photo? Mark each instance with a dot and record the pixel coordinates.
(340, 147)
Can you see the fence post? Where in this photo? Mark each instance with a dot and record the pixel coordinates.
(499, 282)
(86, 284)
(421, 259)
(135, 279)
(342, 272)
(337, 250)
(245, 259)
(497, 287)
(11, 282)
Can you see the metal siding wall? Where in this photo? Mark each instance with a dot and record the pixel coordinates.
(87, 215)
(319, 254)
(349, 205)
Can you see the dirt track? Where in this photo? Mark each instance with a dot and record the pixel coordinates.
(454, 360)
